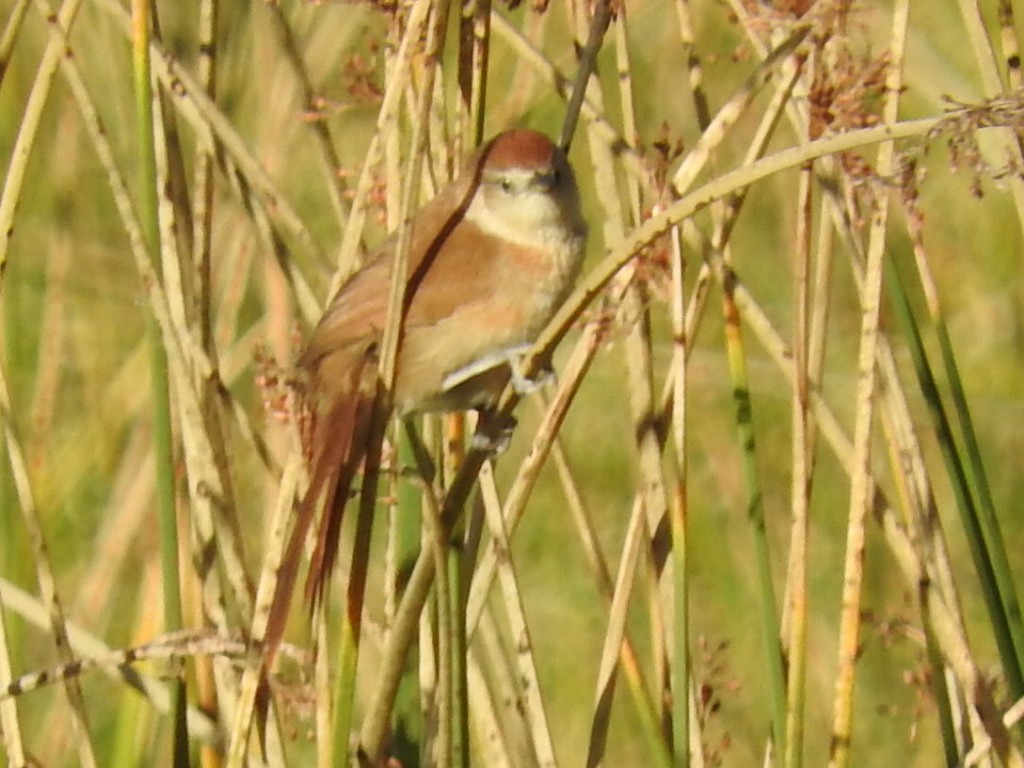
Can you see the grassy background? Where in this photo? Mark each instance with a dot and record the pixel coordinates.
(75, 354)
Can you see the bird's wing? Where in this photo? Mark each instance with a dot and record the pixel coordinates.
(358, 311)
(445, 275)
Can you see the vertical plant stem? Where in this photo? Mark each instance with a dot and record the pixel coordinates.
(437, 745)
(801, 480)
(253, 676)
(984, 532)
(982, 551)
(991, 544)
(640, 369)
(861, 484)
(162, 432)
(949, 632)
(443, 749)
(374, 727)
(744, 419)
(587, 66)
(755, 516)
(651, 483)
(633, 305)
(387, 118)
(526, 668)
(474, 66)
(458, 650)
(457, 565)
(608, 667)
(202, 223)
(679, 511)
(474, 57)
(352, 618)
(150, 231)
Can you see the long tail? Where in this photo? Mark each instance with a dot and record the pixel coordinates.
(335, 450)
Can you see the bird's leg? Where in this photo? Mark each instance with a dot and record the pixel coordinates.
(490, 435)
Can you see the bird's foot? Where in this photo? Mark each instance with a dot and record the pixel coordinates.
(493, 434)
(527, 385)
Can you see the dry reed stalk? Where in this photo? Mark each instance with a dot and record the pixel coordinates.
(629, 660)
(31, 118)
(490, 731)
(249, 684)
(387, 116)
(246, 174)
(382, 406)
(44, 574)
(841, 210)
(86, 646)
(495, 660)
(938, 613)
(1010, 44)
(10, 34)
(213, 519)
(632, 547)
(987, 60)
(525, 664)
(9, 718)
(631, 306)
(795, 603)
(861, 482)
(318, 126)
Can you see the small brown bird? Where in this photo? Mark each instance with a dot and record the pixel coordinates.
(492, 257)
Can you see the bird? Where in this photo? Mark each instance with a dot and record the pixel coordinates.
(492, 257)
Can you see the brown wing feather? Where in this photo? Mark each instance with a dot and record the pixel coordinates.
(358, 312)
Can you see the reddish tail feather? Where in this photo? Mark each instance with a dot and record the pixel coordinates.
(335, 450)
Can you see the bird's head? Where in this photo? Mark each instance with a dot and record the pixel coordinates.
(527, 190)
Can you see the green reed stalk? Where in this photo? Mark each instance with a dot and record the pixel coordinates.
(755, 515)
(162, 432)
(1003, 609)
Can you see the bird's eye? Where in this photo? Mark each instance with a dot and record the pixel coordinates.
(506, 185)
